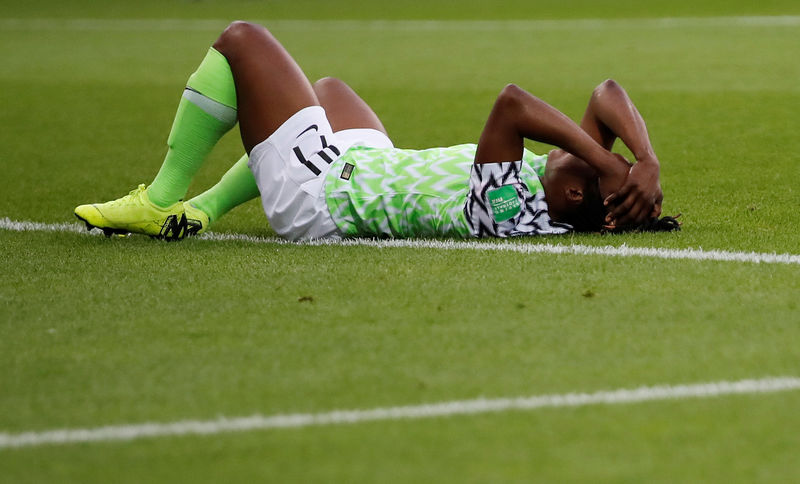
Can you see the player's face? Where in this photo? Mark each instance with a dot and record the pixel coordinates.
(586, 213)
(591, 213)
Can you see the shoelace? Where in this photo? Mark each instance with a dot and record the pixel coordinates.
(134, 194)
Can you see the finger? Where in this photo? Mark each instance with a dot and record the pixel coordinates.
(624, 219)
(616, 196)
(643, 215)
(656, 211)
(622, 208)
(635, 215)
(610, 225)
(622, 193)
(622, 203)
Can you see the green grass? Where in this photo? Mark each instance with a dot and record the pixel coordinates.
(402, 9)
(97, 331)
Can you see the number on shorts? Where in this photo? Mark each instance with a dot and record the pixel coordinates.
(325, 152)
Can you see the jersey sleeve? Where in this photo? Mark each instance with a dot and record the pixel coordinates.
(501, 204)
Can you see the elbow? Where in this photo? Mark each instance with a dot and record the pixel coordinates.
(510, 97)
(510, 91)
(607, 86)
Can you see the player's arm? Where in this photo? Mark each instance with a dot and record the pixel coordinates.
(611, 114)
(517, 115)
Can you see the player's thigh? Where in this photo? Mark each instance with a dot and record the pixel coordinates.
(345, 109)
(270, 86)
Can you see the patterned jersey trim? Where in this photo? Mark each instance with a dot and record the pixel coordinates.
(500, 204)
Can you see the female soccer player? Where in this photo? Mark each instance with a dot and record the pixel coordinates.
(325, 168)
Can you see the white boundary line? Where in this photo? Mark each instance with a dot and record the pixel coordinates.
(501, 246)
(411, 412)
(87, 24)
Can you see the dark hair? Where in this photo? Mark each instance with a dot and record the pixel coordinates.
(664, 224)
(590, 216)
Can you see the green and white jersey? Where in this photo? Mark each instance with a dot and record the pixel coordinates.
(390, 192)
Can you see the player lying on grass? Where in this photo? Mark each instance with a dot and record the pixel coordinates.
(325, 168)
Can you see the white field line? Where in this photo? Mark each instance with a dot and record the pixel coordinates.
(86, 24)
(411, 412)
(502, 246)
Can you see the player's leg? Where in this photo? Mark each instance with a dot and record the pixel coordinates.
(270, 86)
(285, 131)
(345, 108)
(236, 187)
(207, 110)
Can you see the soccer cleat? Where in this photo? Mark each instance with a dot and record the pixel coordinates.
(196, 220)
(135, 213)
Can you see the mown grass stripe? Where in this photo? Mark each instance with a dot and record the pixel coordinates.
(87, 24)
(500, 246)
(411, 412)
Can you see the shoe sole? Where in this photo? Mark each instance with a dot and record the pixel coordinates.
(108, 232)
(171, 226)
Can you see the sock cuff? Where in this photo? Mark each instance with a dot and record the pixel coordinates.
(214, 79)
(221, 112)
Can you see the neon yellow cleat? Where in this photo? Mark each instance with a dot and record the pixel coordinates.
(135, 213)
(196, 220)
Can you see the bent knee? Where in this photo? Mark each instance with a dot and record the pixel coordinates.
(332, 88)
(240, 33)
(329, 83)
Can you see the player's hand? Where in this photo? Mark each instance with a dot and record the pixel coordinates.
(616, 174)
(639, 199)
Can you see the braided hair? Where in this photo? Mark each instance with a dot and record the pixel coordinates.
(590, 216)
(663, 224)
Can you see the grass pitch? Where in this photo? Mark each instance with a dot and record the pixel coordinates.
(97, 331)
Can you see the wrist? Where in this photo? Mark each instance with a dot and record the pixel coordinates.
(647, 158)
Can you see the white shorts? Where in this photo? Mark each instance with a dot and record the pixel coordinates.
(290, 168)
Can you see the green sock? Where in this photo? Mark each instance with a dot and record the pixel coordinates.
(236, 187)
(206, 112)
